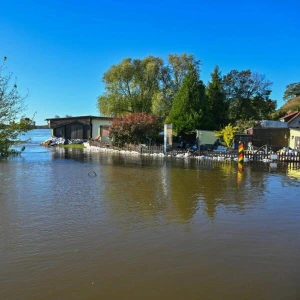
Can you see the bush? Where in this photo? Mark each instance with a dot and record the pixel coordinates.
(133, 129)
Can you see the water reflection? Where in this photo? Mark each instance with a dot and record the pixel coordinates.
(161, 227)
(177, 188)
(293, 170)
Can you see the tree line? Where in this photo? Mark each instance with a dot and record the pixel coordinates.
(159, 91)
(173, 92)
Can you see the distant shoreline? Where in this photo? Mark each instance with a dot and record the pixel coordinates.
(41, 127)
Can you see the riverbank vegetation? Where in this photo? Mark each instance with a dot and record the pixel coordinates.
(12, 120)
(172, 91)
(135, 128)
(72, 146)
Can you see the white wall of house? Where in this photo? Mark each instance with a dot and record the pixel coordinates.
(294, 142)
(96, 125)
(206, 137)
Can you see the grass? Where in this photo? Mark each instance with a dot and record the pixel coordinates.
(73, 146)
(293, 104)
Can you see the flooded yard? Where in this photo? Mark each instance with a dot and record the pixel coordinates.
(81, 225)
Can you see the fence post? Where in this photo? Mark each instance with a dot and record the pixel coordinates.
(241, 153)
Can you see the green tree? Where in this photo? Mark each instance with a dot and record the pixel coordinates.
(143, 85)
(227, 134)
(248, 95)
(133, 129)
(217, 107)
(11, 108)
(292, 90)
(243, 125)
(130, 86)
(171, 78)
(179, 66)
(188, 109)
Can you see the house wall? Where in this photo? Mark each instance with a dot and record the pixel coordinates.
(73, 131)
(59, 132)
(295, 123)
(96, 132)
(294, 141)
(78, 131)
(82, 127)
(71, 127)
(206, 137)
(275, 137)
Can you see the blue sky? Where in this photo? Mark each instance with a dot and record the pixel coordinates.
(59, 50)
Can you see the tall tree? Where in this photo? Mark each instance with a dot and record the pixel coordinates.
(11, 109)
(188, 109)
(248, 95)
(217, 106)
(144, 85)
(130, 86)
(180, 65)
(292, 90)
(171, 78)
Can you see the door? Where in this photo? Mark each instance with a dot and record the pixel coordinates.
(76, 131)
(104, 131)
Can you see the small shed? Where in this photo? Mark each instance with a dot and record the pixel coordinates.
(81, 127)
(206, 137)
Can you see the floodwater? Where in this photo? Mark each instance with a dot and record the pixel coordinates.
(80, 225)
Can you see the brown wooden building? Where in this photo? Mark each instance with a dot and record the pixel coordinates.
(82, 127)
(274, 137)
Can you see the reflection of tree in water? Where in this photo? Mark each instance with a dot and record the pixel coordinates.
(142, 188)
(150, 190)
(221, 188)
(183, 190)
(134, 195)
(172, 192)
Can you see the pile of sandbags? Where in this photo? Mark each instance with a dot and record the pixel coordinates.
(76, 141)
(53, 141)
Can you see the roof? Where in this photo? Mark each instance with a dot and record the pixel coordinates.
(290, 116)
(67, 122)
(81, 117)
(273, 124)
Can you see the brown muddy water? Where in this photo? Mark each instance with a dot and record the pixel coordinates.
(75, 225)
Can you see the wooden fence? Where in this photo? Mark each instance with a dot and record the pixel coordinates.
(152, 149)
(254, 156)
